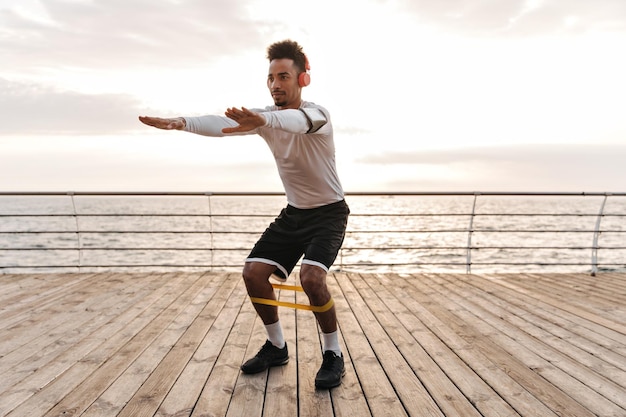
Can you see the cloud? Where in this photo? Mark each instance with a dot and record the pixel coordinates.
(132, 33)
(540, 153)
(29, 108)
(521, 167)
(351, 130)
(521, 17)
(88, 164)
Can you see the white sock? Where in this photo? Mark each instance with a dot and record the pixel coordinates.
(331, 342)
(275, 334)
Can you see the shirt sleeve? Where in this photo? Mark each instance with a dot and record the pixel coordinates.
(209, 125)
(295, 121)
(301, 121)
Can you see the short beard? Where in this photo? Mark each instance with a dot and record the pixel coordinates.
(280, 103)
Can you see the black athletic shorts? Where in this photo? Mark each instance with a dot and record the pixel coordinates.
(316, 233)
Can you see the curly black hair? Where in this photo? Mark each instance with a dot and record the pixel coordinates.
(288, 49)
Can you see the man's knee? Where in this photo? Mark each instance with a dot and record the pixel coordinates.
(313, 280)
(255, 272)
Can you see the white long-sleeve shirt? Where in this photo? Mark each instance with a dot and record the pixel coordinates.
(303, 147)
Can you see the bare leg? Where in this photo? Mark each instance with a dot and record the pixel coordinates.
(274, 351)
(313, 279)
(256, 276)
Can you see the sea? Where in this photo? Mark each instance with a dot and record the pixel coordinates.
(404, 233)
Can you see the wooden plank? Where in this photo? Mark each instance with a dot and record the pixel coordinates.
(216, 395)
(19, 290)
(42, 315)
(118, 352)
(183, 396)
(605, 285)
(11, 284)
(37, 353)
(196, 321)
(435, 311)
(47, 373)
(381, 397)
(581, 347)
(609, 286)
(23, 285)
(249, 391)
(172, 345)
(432, 336)
(107, 391)
(281, 393)
(580, 381)
(311, 402)
(411, 392)
(617, 280)
(22, 307)
(596, 299)
(583, 330)
(609, 399)
(578, 308)
(348, 399)
(581, 317)
(513, 351)
(388, 310)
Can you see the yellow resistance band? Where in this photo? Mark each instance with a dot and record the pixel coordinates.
(316, 309)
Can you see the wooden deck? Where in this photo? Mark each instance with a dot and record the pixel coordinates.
(170, 344)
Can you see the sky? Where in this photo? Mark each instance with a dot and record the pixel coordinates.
(424, 95)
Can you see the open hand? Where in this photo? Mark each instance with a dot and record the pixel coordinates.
(177, 123)
(248, 120)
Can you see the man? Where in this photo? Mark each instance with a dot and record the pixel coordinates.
(313, 224)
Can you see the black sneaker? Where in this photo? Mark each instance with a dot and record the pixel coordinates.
(269, 355)
(331, 371)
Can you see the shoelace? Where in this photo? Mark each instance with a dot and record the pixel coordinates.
(266, 350)
(328, 361)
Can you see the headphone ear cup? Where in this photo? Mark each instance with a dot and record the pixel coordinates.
(304, 79)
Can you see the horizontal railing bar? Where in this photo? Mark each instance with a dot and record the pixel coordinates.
(141, 215)
(125, 249)
(347, 248)
(272, 193)
(352, 215)
(144, 193)
(476, 247)
(485, 231)
(348, 231)
(108, 232)
(343, 265)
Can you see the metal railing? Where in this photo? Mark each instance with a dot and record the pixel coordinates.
(408, 231)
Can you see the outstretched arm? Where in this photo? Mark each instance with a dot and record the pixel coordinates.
(177, 123)
(247, 119)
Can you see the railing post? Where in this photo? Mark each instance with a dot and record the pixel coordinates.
(470, 231)
(78, 240)
(341, 259)
(596, 235)
(209, 194)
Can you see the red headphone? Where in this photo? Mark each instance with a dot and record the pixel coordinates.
(304, 78)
